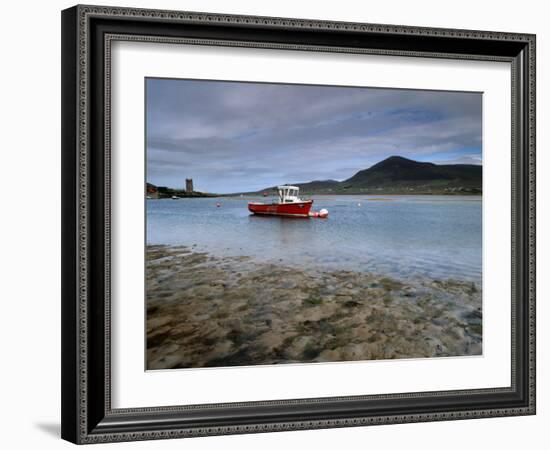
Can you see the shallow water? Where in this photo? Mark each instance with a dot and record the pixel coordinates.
(438, 237)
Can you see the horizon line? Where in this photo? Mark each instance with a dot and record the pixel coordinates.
(331, 179)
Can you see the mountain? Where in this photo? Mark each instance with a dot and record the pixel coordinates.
(397, 172)
(398, 175)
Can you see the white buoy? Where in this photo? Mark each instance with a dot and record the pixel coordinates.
(323, 213)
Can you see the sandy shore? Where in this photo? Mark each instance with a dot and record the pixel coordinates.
(204, 311)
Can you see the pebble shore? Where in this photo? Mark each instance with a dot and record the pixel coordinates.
(206, 311)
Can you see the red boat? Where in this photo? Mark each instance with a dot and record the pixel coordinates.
(287, 204)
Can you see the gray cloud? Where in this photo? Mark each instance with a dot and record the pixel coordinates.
(232, 136)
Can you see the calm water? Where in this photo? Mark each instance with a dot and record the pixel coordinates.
(402, 236)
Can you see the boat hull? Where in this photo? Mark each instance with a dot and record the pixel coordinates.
(300, 209)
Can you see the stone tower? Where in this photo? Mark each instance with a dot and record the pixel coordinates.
(189, 185)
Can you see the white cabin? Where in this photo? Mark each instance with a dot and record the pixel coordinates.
(289, 194)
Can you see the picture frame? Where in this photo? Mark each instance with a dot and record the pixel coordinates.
(87, 413)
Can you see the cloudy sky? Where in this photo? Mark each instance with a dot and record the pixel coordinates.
(234, 137)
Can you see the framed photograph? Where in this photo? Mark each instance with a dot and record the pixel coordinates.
(278, 224)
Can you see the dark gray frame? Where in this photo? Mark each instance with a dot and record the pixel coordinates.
(87, 34)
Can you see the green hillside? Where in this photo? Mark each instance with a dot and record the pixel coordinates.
(398, 175)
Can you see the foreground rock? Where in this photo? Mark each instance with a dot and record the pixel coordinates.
(210, 312)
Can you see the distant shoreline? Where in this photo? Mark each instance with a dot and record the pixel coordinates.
(305, 194)
(393, 176)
